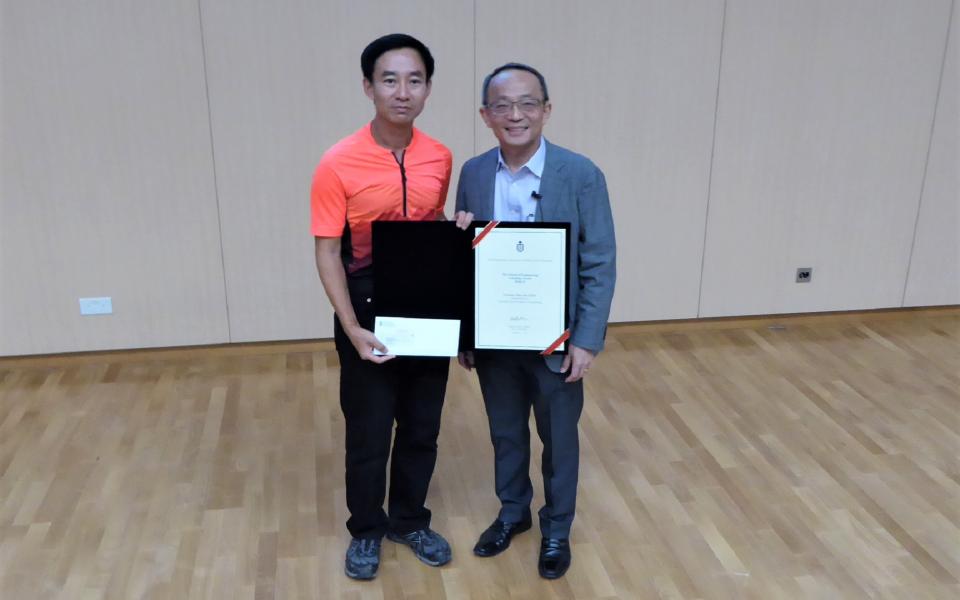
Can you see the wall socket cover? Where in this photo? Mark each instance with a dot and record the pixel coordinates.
(96, 306)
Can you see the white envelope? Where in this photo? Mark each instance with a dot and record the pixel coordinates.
(418, 337)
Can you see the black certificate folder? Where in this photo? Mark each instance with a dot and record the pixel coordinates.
(424, 270)
(508, 289)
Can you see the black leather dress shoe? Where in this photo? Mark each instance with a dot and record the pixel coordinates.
(497, 537)
(554, 558)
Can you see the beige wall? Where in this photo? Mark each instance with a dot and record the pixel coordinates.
(161, 153)
(107, 178)
(934, 276)
(823, 126)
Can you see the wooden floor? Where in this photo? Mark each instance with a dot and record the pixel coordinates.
(817, 459)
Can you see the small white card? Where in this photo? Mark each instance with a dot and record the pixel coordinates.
(418, 337)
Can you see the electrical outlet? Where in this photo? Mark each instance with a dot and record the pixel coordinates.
(804, 274)
(96, 306)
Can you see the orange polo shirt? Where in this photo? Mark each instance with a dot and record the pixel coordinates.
(358, 182)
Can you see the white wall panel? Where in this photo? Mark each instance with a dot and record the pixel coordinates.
(285, 84)
(934, 277)
(110, 185)
(823, 126)
(107, 186)
(633, 87)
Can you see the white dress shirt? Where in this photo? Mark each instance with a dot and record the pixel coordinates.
(514, 192)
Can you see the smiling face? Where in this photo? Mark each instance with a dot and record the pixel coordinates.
(515, 110)
(399, 88)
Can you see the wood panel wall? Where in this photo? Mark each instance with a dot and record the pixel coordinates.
(161, 153)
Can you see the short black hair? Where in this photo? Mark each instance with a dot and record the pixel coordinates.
(393, 41)
(513, 67)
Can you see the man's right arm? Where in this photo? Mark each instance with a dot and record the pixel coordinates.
(334, 280)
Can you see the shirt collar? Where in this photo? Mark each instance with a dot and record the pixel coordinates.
(534, 165)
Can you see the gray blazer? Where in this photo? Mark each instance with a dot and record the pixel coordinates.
(572, 190)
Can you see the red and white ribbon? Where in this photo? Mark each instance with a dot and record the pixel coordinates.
(483, 233)
(563, 337)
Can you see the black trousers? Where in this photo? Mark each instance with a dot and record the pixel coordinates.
(512, 384)
(407, 391)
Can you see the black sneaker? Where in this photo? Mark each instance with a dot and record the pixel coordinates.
(427, 544)
(363, 558)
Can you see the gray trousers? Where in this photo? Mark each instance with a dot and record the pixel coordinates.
(512, 383)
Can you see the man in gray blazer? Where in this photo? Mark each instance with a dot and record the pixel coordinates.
(529, 179)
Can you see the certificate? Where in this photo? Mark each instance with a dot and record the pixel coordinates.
(417, 337)
(520, 287)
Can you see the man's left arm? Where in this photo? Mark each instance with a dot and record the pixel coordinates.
(596, 276)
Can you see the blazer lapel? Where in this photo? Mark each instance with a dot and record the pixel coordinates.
(486, 186)
(549, 185)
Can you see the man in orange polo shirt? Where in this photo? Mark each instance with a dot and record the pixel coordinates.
(388, 170)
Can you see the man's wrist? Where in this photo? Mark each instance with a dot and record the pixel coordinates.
(591, 348)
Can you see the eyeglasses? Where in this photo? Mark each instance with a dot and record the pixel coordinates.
(528, 106)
